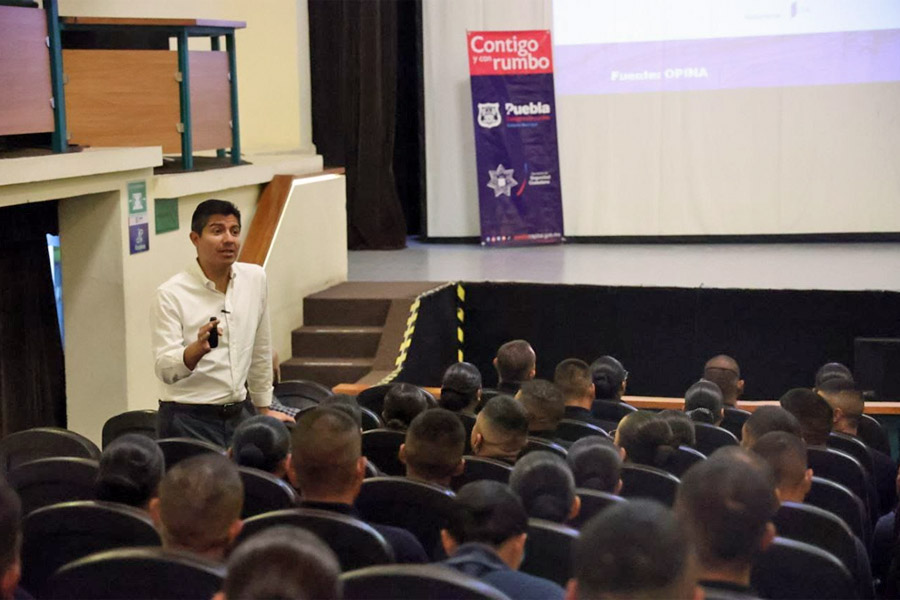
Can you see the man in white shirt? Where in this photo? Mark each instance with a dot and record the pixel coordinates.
(204, 380)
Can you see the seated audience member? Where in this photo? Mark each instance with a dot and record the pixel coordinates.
(573, 378)
(646, 439)
(328, 468)
(637, 549)
(501, 429)
(610, 379)
(725, 373)
(10, 543)
(199, 506)
(766, 419)
(485, 538)
(434, 446)
(402, 403)
(727, 503)
(545, 406)
(282, 562)
(813, 413)
(705, 394)
(347, 404)
(544, 483)
(832, 370)
(596, 464)
(131, 468)
(461, 388)
(263, 443)
(515, 363)
(884, 542)
(682, 427)
(276, 404)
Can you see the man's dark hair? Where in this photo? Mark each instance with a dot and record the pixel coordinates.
(595, 463)
(608, 375)
(515, 360)
(682, 427)
(486, 512)
(647, 439)
(704, 394)
(844, 394)
(345, 403)
(131, 468)
(261, 442)
(832, 370)
(211, 207)
(326, 445)
(283, 562)
(544, 404)
(785, 453)
(814, 413)
(725, 373)
(459, 387)
(766, 419)
(634, 549)
(435, 442)
(545, 484)
(10, 527)
(402, 403)
(506, 414)
(573, 378)
(727, 501)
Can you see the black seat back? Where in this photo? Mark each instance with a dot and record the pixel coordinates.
(641, 481)
(263, 492)
(572, 430)
(142, 422)
(842, 468)
(840, 501)
(138, 574)
(43, 442)
(854, 447)
(682, 460)
(47, 481)
(873, 435)
(734, 420)
(710, 438)
(478, 468)
(610, 410)
(176, 450)
(414, 582)
(58, 534)
(548, 550)
(369, 419)
(468, 422)
(813, 525)
(373, 397)
(790, 570)
(592, 502)
(536, 443)
(355, 542)
(302, 388)
(382, 446)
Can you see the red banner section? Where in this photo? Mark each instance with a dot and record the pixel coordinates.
(509, 52)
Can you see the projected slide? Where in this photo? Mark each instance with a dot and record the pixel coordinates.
(627, 46)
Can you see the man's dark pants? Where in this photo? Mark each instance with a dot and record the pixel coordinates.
(208, 422)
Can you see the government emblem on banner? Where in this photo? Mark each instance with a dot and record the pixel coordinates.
(489, 114)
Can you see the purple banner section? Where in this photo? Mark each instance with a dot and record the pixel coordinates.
(714, 64)
(517, 159)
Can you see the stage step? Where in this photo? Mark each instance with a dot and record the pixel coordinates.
(342, 341)
(327, 371)
(364, 312)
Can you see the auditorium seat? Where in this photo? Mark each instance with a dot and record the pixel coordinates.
(422, 508)
(710, 438)
(535, 443)
(592, 502)
(58, 534)
(792, 570)
(300, 393)
(468, 422)
(548, 550)
(142, 422)
(682, 460)
(369, 419)
(854, 447)
(478, 468)
(641, 481)
(610, 410)
(356, 543)
(414, 582)
(373, 397)
(138, 574)
(43, 442)
(47, 481)
(572, 430)
(263, 492)
(873, 435)
(372, 470)
(842, 468)
(734, 420)
(176, 450)
(839, 500)
(382, 447)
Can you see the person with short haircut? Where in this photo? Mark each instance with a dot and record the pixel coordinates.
(345, 403)
(515, 363)
(131, 468)
(545, 406)
(813, 413)
(501, 429)
(610, 379)
(707, 395)
(766, 419)
(434, 446)
(199, 506)
(573, 378)
(726, 374)
(328, 468)
(682, 427)
(596, 464)
(263, 443)
(646, 439)
(485, 538)
(282, 562)
(727, 502)
(10, 543)
(636, 549)
(460, 388)
(546, 486)
(832, 370)
(402, 403)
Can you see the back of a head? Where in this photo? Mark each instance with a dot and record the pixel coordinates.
(786, 454)
(435, 442)
(326, 444)
(200, 499)
(766, 419)
(459, 387)
(515, 361)
(486, 512)
(727, 501)
(725, 373)
(704, 394)
(402, 403)
(595, 463)
(10, 528)
(544, 404)
(608, 375)
(682, 427)
(832, 370)
(647, 439)
(131, 468)
(283, 563)
(506, 421)
(344, 403)
(261, 442)
(636, 549)
(573, 378)
(844, 395)
(544, 483)
(813, 412)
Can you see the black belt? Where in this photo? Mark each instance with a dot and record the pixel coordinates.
(223, 411)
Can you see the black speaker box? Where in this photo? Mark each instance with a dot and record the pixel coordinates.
(876, 366)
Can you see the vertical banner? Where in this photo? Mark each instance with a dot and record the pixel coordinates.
(514, 110)
(138, 223)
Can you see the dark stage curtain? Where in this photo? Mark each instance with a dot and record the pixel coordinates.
(353, 52)
(32, 375)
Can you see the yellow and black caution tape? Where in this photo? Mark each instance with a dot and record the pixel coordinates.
(460, 319)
